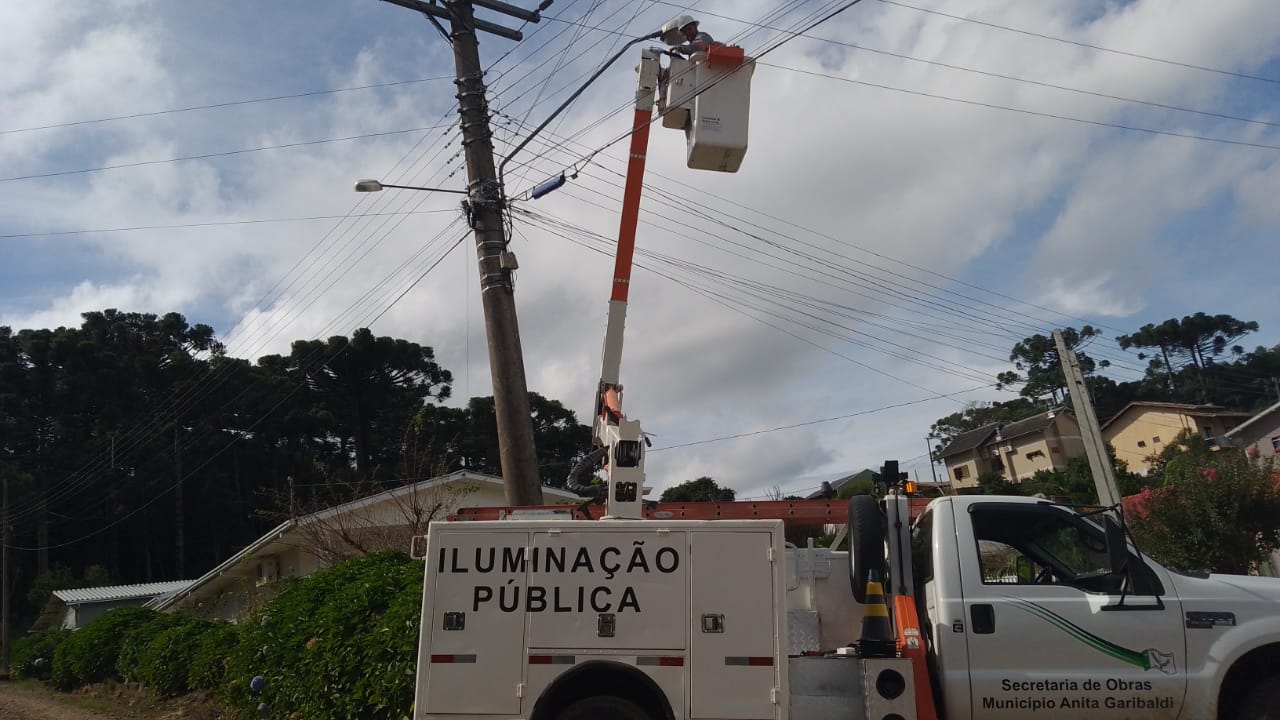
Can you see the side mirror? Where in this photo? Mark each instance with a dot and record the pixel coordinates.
(1117, 546)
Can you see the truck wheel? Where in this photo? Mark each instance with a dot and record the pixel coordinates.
(866, 543)
(1263, 701)
(603, 707)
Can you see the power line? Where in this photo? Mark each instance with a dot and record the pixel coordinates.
(753, 433)
(230, 103)
(220, 223)
(1078, 43)
(1037, 113)
(221, 154)
(1013, 78)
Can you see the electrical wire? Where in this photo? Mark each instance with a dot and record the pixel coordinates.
(1077, 43)
(1035, 113)
(807, 423)
(217, 223)
(1012, 78)
(230, 103)
(162, 493)
(225, 153)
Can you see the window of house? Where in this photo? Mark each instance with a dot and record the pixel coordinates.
(1275, 444)
(1142, 443)
(1035, 454)
(1156, 439)
(962, 472)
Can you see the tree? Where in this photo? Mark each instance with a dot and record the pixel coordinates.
(1195, 341)
(1038, 368)
(703, 489)
(1075, 482)
(371, 387)
(994, 483)
(468, 437)
(1216, 510)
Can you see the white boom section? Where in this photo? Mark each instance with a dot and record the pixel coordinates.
(622, 438)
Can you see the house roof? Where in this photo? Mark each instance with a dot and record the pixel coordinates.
(976, 438)
(969, 440)
(1184, 408)
(111, 593)
(407, 490)
(277, 533)
(1235, 430)
(839, 483)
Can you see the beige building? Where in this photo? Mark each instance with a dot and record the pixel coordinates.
(300, 546)
(1259, 436)
(1016, 450)
(1142, 429)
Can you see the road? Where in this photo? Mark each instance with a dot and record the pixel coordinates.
(26, 702)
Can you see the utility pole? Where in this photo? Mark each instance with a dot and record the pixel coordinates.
(485, 206)
(179, 531)
(1095, 447)
(928, 444)
(4, 579)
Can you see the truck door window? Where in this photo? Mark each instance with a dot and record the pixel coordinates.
(1021, 545)
(922, 548)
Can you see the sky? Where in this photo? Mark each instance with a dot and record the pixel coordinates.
(927, 182)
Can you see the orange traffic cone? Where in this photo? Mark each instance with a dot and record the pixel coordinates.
(877, 639)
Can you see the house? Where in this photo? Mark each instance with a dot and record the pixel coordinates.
(1259, 436)
(1016, 450)
(838, 484)
(300, 546)
(1142, 429)
(71, 609)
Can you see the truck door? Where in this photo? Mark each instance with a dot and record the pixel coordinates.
(1047, 635)
(475, 630)
(733, 657)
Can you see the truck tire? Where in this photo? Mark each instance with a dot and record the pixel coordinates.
(866, 543)
(1263, 701)
(603, 707)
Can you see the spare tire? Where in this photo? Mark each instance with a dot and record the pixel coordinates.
(866, 543)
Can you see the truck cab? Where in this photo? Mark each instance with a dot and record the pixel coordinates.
(1031, 608)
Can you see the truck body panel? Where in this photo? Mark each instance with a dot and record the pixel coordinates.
(511, 607)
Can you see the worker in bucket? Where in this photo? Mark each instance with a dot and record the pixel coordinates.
(695, 40)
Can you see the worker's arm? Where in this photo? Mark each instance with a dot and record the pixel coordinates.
(700, 43)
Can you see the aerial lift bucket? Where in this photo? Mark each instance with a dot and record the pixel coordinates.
(709, 97)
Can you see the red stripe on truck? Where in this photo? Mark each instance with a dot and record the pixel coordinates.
(452, 659)
(750, 661)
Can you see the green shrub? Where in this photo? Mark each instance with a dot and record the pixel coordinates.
(89, 655)
(165, 661)
(339, 643)
(129, 662)
(213, 651)
(28, 648)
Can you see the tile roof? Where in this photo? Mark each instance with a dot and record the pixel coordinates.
(109, 593)
(1184, 408)
(1233, 432)
(966, 441)
(976, 438)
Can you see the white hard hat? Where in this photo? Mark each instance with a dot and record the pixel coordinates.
(671, 31)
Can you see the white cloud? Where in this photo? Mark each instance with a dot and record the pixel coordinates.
(1076, 217)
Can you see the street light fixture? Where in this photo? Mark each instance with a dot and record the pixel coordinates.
(375, 186)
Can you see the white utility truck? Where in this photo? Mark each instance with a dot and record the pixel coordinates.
(1028, 609)
(1002, 608)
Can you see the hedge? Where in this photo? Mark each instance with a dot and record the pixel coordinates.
(36, 646)
(90, 654)
(340, 643)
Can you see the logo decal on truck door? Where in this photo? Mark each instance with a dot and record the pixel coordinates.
(1148, 659)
